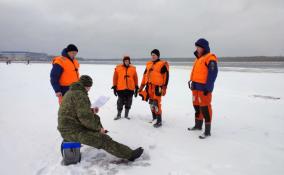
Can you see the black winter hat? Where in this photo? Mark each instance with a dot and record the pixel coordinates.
(204, 44)
(156, 52)
(86, 80)
(71, 47)
(126, 58)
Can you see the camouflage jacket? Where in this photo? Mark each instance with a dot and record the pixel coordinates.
(75, 113)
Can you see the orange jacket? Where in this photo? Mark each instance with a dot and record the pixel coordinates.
(125, 78)
(70, 72)
(199, 71)
(153, 74)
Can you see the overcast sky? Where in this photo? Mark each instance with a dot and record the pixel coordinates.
(112, 28)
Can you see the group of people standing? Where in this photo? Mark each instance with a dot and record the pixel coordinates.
(77, 121)
(153, 86)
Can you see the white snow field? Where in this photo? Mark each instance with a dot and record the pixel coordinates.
(247, 129)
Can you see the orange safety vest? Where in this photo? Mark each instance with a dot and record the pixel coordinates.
(153, 74)
(70, 72)
(199, 71)
(125, 77)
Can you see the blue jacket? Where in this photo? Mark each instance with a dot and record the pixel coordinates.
(212, 69)
(55, 75)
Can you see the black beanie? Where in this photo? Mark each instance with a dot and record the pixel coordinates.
(156, 52)
(71, 47)
(204, 44)
(86, 80)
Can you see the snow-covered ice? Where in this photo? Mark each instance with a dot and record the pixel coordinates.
(247, 130)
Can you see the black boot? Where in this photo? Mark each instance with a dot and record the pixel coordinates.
(159, 121)
(126, 114)
(207, 132)
(154, 117)
(207, 117)
(197, 126)
(118, 116)
(198, 123)
(136, 154)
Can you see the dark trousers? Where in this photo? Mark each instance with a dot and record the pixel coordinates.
(124, 100)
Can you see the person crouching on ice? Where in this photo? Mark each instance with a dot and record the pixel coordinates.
(155, 81)
(77, 122)
(125, 84)
(202, 78)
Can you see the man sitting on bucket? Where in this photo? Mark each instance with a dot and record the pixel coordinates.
(78, 122)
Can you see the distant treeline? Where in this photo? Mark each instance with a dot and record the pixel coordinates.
(221, 59)
(143, 60)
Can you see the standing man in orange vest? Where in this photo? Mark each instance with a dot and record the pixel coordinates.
(155, 79)
(203, 76)
(125, 84)
(65, 71)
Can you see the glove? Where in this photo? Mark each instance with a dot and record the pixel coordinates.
(164, 90)
(189, 85)
(136, 91)
(114, 90)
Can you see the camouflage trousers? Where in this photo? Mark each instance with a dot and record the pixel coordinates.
(100, 141)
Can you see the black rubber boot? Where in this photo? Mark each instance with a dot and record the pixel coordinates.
(208, 129)
(198, 123)
(126, 114)
(159, 121)
(118, 116)
(154, 117)
(136, 154)
(207, 117)
(197, 126)
(207, 132)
